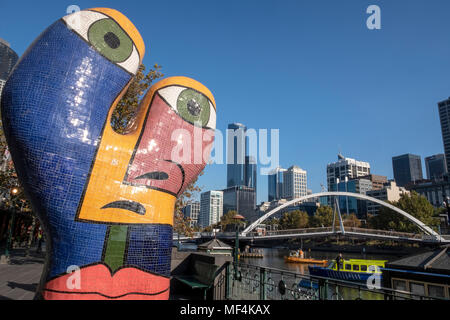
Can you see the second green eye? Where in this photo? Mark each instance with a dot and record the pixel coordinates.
(110, 40)
(193, 107)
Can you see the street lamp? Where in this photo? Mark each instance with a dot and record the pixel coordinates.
(237, 219)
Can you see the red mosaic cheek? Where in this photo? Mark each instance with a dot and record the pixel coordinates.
(156, 162)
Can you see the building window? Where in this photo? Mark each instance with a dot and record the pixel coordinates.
(436, 291)
(399, 285)
(417, 288)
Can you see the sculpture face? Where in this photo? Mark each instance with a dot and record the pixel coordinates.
(106, 200)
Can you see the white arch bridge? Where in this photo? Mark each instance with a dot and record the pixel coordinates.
(428, 235)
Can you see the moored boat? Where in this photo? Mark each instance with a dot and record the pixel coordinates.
(357, 270)
(299, 257)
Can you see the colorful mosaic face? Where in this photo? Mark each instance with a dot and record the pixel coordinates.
(106, 200)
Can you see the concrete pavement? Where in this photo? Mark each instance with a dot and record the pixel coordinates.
(20, 278)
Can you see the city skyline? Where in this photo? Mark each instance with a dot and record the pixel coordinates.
(337, 86)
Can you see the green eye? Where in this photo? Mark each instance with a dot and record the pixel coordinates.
(193, 107)
(110, 40)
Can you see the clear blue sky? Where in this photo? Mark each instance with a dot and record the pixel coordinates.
(309, 68)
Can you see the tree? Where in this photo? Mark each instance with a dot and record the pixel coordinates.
(323, 217)
(128, 106)
(294, 220)
(412, 203)
(229, 220)
(351, 221)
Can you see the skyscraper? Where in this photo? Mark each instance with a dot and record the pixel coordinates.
(436, 166)
(241, 199)
(407, 168)
(8, 59)
(211, 208)
(294, 183)
(236, 154)
(444, 115)
(275, 184)
(241, 166)
(346, 167)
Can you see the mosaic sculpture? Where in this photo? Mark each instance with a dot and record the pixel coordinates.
(106, 200)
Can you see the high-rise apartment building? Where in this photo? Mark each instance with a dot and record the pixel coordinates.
(192, 212)
(407, 169)
(346, 167)
(8, 59)
(275, 184)
(444, 115)
(211, 208)
(295, 183)
(436, 167)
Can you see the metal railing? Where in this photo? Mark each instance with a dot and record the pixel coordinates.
(249, 282)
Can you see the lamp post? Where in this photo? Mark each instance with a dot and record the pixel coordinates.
(237, 219)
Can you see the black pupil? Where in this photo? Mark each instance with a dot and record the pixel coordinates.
(112, 40)
(193, 107)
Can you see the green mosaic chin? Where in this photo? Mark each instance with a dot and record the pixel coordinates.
(194, 107)
(110, 40)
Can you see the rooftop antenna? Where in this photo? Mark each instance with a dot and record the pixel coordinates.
(340, 156)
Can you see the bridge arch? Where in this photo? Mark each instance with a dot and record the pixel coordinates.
(414, 220)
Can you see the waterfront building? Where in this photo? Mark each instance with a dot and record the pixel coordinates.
(192, 212)
(241, 199)
(436, 167)
(346, 167)
(8, 59)
(389, 192)
(294, 183)
(407, 169)
(216, 247)
(211, 208)
(434, 191)
(275, 184)
(426, 274)
(444, 116)
(241, 166)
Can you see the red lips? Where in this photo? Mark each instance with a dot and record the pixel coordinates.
(97, 283)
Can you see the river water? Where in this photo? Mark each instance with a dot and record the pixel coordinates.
(274, 258)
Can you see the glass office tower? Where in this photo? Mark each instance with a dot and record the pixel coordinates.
(241, 166)
(407, 168)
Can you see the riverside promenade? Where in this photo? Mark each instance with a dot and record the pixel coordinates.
(20, 278)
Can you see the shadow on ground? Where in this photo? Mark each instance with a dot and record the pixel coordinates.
(23, 286)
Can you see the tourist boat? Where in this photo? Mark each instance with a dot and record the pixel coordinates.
(357, 270)
(298, 257)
